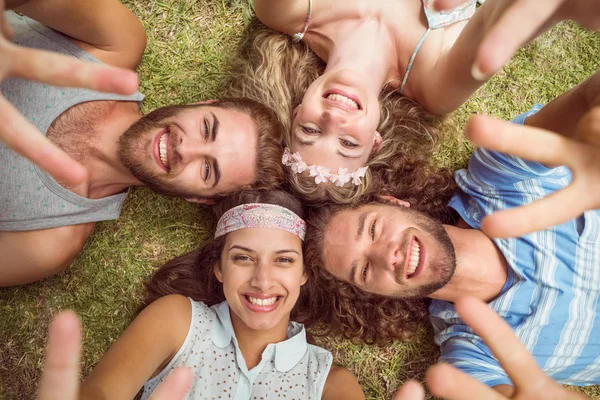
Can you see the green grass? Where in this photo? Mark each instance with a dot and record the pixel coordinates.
(190, 43)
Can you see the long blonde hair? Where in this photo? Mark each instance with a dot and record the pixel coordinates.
(275, 71)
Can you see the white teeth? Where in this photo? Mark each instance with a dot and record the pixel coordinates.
(262, 302)
(162, 149)
(415, 257)
(343, 99)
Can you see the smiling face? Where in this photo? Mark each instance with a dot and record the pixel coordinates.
(192, 151)
(389, 250)
(262, 270)
(335, 126)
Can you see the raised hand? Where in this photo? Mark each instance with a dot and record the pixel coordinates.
(60, 379)
(520, 23)
(529, 381)
(55, 69)
(581, 155)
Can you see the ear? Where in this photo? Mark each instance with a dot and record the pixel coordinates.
(200, 200)
(377, 139)
(304, 277)
(395, 201)
(218, 272)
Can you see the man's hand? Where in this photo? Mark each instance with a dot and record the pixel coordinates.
(529, 381)
(581, 155)
(520, 23)
(47, 67)
(60, 380)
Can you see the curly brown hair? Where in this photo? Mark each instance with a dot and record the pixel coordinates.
(273, 70)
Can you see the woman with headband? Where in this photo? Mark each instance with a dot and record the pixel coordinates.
(224, 311)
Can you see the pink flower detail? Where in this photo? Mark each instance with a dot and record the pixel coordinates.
(358, 174)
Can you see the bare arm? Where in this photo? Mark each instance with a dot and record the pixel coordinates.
(32, 255)
(341, 384)
(452, 73)
(287, 16)
(147, 345)
(104, 28)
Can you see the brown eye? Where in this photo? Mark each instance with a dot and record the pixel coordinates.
(348, 144)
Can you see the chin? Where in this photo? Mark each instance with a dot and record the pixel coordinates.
(261, 324)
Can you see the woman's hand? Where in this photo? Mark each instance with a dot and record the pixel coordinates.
(529, 381)
(520, 23)
(581, 154)
(55, 69)
(60, 379)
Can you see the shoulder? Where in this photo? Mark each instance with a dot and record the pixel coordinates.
(341, 383)
(287, 16)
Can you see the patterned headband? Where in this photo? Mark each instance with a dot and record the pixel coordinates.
(322, 174)
(260, 215)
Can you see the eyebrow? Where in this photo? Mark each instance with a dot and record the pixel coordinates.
(235, 246)
(215, 127)
(286, 251)
(217, 173)
(359, 233)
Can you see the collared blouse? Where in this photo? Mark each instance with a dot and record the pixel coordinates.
(292, 369)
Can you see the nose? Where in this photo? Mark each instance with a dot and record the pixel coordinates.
(190, 149)
(388, 255)
(333, 116)
(263, 276)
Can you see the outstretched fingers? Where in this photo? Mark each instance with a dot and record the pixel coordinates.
(525, 142)
(539, 215)
(518, 363)
(60, 379)
(518, 24)
(23, 138)
(62, 70)
(449, 383)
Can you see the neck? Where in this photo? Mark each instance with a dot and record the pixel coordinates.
(253, 342)
(107, 174)
(363, 46)
(481, 269)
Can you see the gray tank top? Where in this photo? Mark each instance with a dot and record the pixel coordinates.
(30, 199)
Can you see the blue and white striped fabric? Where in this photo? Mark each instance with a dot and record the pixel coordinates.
(551, 298)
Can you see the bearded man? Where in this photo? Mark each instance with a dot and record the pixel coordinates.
(195, 151)
(545, 284)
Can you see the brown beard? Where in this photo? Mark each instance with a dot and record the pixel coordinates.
(446, 266)
(133, 142)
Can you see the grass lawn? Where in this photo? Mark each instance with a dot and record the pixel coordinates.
(190, 43)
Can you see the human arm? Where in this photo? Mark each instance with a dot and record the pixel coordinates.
(341, 384)
(523, 20)
(104, 28)
(529, 381)
(286, 16)
(451, 74)
(577, 146)
(60, 378)
(32, 255)
(146, 346)
(55, 69)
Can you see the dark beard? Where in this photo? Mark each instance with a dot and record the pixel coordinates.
(132, 144)
(445, 266)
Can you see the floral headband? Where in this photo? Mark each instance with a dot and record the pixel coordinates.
(322, 174)
(260, 215)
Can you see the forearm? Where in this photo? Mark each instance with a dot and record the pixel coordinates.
(452, 74)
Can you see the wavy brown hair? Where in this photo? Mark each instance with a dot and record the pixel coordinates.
(275, 71)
